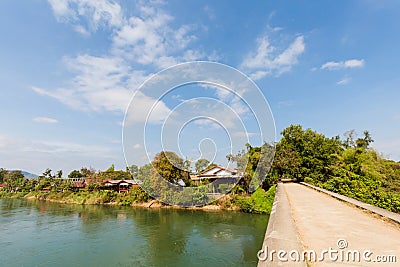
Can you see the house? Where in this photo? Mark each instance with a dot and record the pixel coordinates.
(120, 185)
(78, 185)
(217, 175)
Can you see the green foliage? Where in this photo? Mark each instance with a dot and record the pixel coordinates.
(349, 167)
(47, 174)
(14, 181)
(145, 172)
(75, 174)
(113, 175)
(223, 188)
(2, 174)
(111, 169)
(133, 170)
(309, 154)
(346, 167)
(170, 167)
(254, 164)
(88, 172)
(259, 202)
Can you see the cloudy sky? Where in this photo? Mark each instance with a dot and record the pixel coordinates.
(69, 68)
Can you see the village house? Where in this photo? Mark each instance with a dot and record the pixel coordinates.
(120, 185)
(108, 184)
(217, 175)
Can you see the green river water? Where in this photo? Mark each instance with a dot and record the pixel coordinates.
(37, 233)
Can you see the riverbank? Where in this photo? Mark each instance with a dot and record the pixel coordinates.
(259, 202)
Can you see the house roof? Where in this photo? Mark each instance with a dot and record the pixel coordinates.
(124, 182)
(78, 184)
(217, 171)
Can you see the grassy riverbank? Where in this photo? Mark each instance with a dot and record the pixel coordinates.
(259, 202)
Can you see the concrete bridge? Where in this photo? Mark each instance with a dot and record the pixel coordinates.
(310, 226)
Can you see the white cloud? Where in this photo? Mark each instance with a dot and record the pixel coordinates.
(269, 59)
(87, 15)
(209, 12)
(137, 146)
(140, 110)
(354, 63)
(150, 39)
(344, 81)
(101, 83)
(61, 10)
(351, 63)
(45, 120)
(107, 82)
(210, 124)
(258, 75)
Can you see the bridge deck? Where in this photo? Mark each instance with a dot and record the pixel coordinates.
(321, 220)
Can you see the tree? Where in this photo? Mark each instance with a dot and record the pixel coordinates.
(187, 165)
(47, 173)
(14, 180)
(170, 166)
(201, 165)
(363, 143)
(359, 143)
(88, 172)
(314, 151)
(111, 169)
(254, 164)
(286, 162)
(145, 172)
(75, 174)
(349, 142)
(59, 174)
(133, 170)
(2, 174)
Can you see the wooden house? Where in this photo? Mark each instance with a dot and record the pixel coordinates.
(120, 185)
(217, 175)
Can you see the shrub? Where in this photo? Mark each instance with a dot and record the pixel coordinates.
(259, 202)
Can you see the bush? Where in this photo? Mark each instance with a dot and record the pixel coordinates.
(259, 202)
(309, 180)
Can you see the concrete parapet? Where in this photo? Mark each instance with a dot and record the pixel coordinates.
(281, 232)
(395, 217)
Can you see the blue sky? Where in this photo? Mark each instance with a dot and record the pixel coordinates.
(69, 68)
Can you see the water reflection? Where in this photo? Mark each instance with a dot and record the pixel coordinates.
(89, 235)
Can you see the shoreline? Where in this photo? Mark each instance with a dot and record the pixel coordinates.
(259, 202)
(153, 204)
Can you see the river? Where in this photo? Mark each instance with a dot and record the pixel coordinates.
(38, 233)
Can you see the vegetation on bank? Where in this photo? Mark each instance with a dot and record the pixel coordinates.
(49, 187)
(259, 202)
(346, 166)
